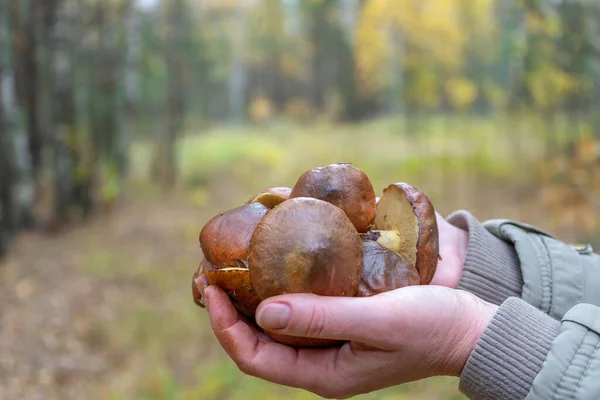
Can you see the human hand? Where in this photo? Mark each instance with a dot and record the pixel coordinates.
(453, 250)
(394, 337)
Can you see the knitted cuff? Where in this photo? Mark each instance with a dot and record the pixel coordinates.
(492, 270)
(510, 353)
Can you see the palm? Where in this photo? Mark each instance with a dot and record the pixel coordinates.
(392, 338)
(453, 243)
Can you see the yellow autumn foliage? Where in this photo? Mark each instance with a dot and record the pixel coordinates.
(461, 93)
(548, 86)
(260, 110)
(391, 31)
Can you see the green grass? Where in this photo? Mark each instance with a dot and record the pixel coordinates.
(480, 148)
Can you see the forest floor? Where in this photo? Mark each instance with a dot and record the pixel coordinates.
(104, 310)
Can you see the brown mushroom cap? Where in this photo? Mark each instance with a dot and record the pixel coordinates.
(225, 239)
(344, 186)
(203, 268)
(272, 196)
(269, 200)
(195, 292)
(406, 209)
(384, 270)
(305, 245)
(236, 283)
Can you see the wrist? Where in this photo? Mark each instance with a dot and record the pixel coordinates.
(473, 319)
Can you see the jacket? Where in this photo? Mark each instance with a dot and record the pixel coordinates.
(544, 340)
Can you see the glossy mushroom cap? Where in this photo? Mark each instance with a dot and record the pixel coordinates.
(405, 209)
(236, 283)
(344, 186)
(225, 239)
(305, 246)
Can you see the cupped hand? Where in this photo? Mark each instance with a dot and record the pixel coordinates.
(392, 338)
(453, 250)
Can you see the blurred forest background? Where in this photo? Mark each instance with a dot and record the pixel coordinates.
(126, 124)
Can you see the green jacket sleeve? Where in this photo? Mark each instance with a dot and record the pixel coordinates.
(545, 344)
(511, 259)
(524, 353)
(572, 366)
(556, 276)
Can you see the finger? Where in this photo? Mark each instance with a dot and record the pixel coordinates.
(227, 315)
(268, 360)
(368, 320)
(202, 283)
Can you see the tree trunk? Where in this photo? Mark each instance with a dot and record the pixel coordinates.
(26, 17)
(16, 184)
(67, 142)
(130, 78)
(165, 156)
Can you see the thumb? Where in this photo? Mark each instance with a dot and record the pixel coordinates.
(340, 318)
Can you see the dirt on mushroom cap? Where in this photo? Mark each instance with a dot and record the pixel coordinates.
(344, 186)
(305, 245)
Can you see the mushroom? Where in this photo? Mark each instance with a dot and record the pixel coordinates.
(406, 224)
(384, 270)
(344, 186)
(225, 239)
(305, 245)
(272, 197)
(316, 238)
(235, 282)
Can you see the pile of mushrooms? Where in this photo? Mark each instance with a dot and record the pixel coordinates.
(328, 235)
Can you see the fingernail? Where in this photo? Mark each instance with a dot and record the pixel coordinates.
(274, 316)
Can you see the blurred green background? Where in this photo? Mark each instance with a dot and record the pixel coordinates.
(126, 124)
